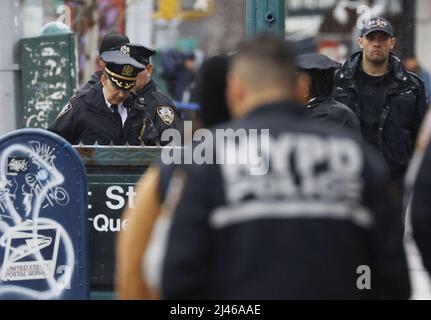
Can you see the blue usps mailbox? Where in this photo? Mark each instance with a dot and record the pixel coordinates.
(43, 197)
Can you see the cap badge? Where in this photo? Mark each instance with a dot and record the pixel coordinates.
(125, 49)
(127, 71)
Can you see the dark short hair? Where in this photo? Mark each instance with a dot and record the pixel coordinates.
(271, 59)
(322, 82)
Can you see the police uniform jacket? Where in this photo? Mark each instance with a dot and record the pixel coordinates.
(418, 185)
(159, 113)
(402, 113)
(87, 119)
(330, 112)
(421, 209)
(299, 230)
(94, 79)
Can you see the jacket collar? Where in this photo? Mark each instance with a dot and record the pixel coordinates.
(149, 87)
(349, 68)
(96, 100)
(289, 107)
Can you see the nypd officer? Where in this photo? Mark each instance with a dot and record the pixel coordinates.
(109, 42)
(316, 74)
(389, 101)
(159, 112)
(309, 220)
(98, 114)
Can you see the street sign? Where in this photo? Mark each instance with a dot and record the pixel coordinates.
(43, 242)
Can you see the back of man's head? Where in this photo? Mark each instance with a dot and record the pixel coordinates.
(263, 71)
(266, 63)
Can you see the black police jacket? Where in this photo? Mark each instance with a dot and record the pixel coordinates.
(94, 79)
(402, 113)
(332, 113)
(305, 222)
(87, 119)
(418, 183)
(159, 113)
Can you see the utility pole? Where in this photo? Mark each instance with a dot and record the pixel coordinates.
(408, 29)
(265, 16)
(9, 69)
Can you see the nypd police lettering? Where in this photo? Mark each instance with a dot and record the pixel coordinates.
(305, 174)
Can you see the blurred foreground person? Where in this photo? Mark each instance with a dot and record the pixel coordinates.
(157, 194)
(317, 72)
(418, 180)
(304, 220)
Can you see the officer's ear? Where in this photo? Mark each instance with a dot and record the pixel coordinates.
(360, 40)
(302, 92)
(100, 62)
(149, 69)
(235, 94)
(103, 79)
(393, 41)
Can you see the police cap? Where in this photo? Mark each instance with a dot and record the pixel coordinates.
(140, 53)
(112, 41)
(316, 61)
(377, 24)
(121, 69)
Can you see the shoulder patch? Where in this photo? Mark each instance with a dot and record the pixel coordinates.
(166, 114)
(65, 109)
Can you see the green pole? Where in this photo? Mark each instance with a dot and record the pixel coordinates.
(265, 16)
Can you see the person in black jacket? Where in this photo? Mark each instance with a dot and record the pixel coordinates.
(317, 71)
(98, 114)
(298, 224)
(389, 101)
(159, 111)
(418, 183)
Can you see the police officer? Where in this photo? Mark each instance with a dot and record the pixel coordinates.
(317, 74)
(159, 112)
(389, 101)
(418, 185)
(298, 224)
(109, 42)
(98, 114)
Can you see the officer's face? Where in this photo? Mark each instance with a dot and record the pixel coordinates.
(143, 78)
(376, 47)
(113, 94)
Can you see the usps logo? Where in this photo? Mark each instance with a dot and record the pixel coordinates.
(17, 165)
(30, 254)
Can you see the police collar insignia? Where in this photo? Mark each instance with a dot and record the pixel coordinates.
(166, 114)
